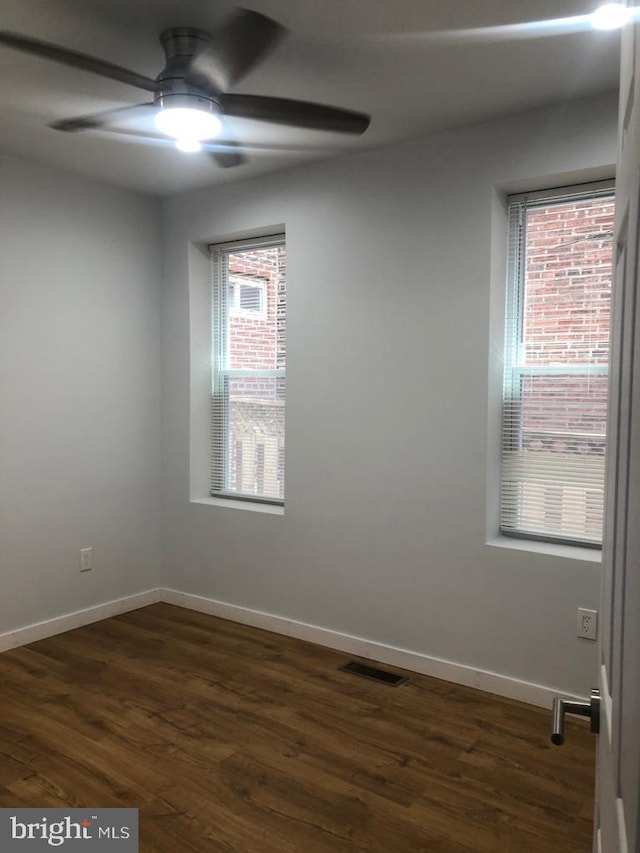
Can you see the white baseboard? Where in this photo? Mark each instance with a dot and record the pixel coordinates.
(50, 627)
(491, 682)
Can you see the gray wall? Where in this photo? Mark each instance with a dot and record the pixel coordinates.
(395, 277)
(396, 274)
(79, 391)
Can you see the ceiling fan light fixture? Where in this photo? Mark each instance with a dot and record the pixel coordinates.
(187, 124)
(188, 146)
(611, 16)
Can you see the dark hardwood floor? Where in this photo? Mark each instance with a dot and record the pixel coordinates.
(228, 738)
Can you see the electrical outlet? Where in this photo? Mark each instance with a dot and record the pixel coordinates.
(86, 559)
(587, 623)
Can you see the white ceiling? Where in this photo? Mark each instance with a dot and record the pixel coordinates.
(375, 56)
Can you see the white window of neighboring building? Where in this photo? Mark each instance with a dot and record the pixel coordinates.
(247, 296)
(249, 369)
(556, 364)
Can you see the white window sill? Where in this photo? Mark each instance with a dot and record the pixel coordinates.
(249, 506)
(572, 552)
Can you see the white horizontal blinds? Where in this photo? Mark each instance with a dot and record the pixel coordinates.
(556, 364)
(249, 361)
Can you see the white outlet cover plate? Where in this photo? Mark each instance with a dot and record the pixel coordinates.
(587, 626)
(86, 559)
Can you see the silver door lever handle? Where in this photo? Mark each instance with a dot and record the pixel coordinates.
(561, 707)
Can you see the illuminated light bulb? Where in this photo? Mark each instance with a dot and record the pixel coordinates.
(611, 16)
(189, 146)
(184, 123)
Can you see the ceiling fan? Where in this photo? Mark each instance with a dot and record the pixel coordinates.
(190, 95)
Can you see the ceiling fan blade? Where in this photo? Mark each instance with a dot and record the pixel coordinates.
(228, 155)
(97, 120)
(294, 113)
(238, 45)
(77, 60)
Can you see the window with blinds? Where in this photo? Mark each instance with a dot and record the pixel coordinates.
(248, 369)
(556, 364)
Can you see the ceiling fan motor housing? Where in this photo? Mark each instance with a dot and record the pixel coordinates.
(180, 45)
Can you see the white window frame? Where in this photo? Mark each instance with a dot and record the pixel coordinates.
(236, 310)
(221, 372)
(515, 369)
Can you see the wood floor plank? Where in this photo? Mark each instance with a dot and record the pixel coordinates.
(229, 739)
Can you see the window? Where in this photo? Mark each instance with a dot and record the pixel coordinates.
(556, 364)
(247, 296)
(248, 375)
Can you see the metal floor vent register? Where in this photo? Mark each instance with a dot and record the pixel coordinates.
(371, 672)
